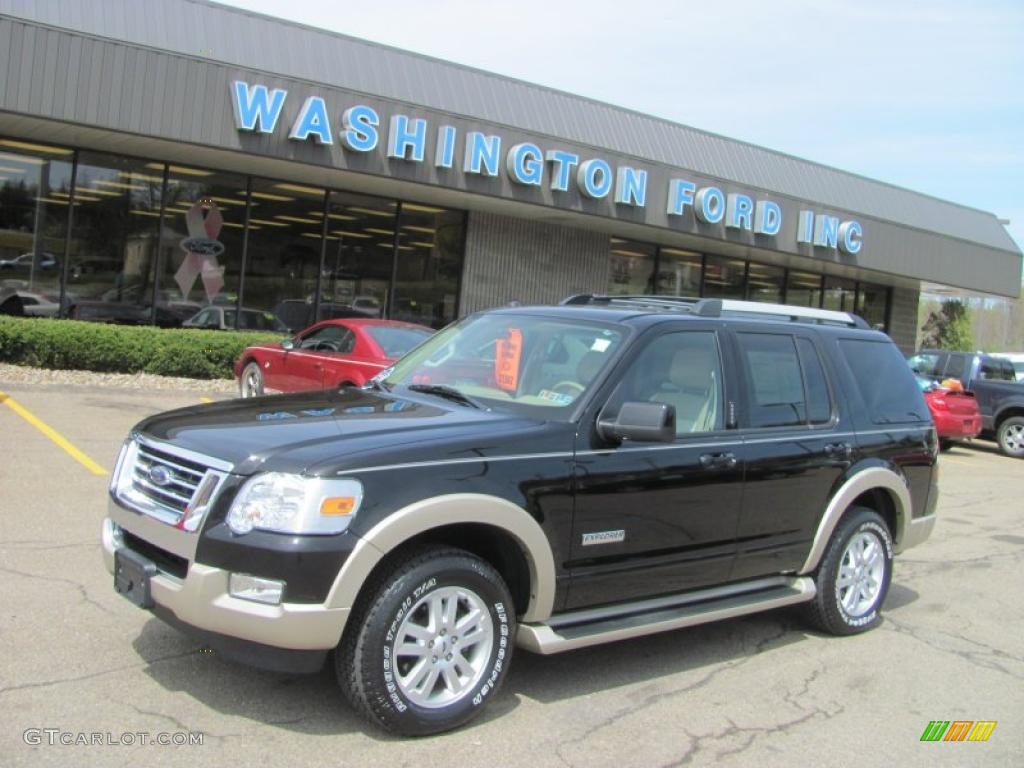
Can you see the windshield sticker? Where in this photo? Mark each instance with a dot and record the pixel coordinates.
(555, 397)
(506, 360)
(275, 416)
(600, 345)
(318, 412)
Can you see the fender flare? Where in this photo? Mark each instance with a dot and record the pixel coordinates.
(436, 512)
(865, 480)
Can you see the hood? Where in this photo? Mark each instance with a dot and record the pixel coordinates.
(324, 432)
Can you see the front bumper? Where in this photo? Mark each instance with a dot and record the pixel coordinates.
(241, 629)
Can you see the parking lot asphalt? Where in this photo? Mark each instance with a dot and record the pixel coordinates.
(77, 659)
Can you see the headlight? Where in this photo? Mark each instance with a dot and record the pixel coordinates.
(284, 503)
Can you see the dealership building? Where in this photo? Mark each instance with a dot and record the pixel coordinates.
(159, 158)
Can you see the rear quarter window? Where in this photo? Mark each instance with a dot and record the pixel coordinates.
(884, 381)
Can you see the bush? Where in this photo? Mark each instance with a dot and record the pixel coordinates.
(63, 344)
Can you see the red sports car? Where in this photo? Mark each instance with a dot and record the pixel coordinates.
(955, 412)
(327, 355)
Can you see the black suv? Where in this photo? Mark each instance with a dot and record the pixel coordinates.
(542, 477)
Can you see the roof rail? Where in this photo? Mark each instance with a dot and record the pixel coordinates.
(685, 304)
(718, 307)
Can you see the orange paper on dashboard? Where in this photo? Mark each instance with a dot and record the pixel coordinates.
(506, 360)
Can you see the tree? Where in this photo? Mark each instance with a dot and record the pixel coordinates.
(948, 328)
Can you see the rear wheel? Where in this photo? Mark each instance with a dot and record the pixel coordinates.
(430, 643)
(854, 575)
(1010, 436)
(250, 384)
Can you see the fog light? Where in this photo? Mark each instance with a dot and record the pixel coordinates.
(113, 538)
(253, 588)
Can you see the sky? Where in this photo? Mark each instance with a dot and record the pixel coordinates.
(927, 95)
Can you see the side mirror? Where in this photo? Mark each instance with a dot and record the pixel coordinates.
(641, 422)
(287, 344)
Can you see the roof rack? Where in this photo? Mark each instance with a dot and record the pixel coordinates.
(719, 307)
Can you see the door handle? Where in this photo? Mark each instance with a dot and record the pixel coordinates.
(718, 460)
(839, 450)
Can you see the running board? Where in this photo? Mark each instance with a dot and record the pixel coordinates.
(579, 629)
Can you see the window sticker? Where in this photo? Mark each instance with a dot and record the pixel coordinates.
(506, 360)
(555, 397)
(600, 345)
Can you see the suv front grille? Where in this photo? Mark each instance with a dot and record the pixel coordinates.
(181, 477)
(174, 485)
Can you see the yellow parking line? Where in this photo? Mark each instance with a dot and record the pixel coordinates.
(53, 434)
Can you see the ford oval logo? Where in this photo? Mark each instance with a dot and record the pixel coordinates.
(159, 475)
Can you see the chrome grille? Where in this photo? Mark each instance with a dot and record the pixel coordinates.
(184, 477)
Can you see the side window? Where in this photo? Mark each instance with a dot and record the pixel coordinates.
(683, 370)
(957, 366)
(324, 339)
(773, 380)
(925, 363)
(1009, 372)
(346, 342)
(203, 317)
(819, 403)
(990, 369)
(888, 389)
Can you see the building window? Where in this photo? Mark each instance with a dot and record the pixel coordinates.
(765, 283)
(201, 241)
(873, 304)
(359, 255)
(283, 254)
(632, 268)
(35, 187)
(678, 272)
(114, 242)
(724, 278)
(840, 294)
(429, 265)
(803, 289)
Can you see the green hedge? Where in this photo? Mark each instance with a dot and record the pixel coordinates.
(73, 344)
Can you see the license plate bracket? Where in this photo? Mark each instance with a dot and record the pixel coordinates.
(132, 575)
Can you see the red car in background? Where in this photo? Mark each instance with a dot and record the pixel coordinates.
(329, 354)
(954, 411)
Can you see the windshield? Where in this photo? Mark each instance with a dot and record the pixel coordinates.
(396, 341)
(531, 366)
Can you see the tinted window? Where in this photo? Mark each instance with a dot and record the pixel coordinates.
(957, 366)
(819, 404)
(995, 369)
(773, 380)
(886, 386)
(395, 341)
(682, 370)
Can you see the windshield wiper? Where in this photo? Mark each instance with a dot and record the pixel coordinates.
(449, 393)
(379, 384)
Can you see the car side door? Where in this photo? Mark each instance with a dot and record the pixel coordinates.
(797, 447)
(658, 518)
(316, 349)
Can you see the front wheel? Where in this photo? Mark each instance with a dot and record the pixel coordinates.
(430, 643)
(250, 384)
(854, 574)
(1011, 437)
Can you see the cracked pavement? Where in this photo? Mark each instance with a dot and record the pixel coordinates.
(760, 690)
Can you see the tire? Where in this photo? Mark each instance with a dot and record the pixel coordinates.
(1010, 437)
(840, 611)
(250, 383)
(387, 677)
(945, 445)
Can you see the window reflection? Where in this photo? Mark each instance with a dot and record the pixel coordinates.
(113, 246)
(765, 282)
(724, 278)
(803, 289)
(678, 272)
(632, 268)
(429, 265)
(35, 183)
(286, 223)
(359, 256)
(840, 294)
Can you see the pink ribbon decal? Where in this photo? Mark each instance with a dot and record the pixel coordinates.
(201, 249)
